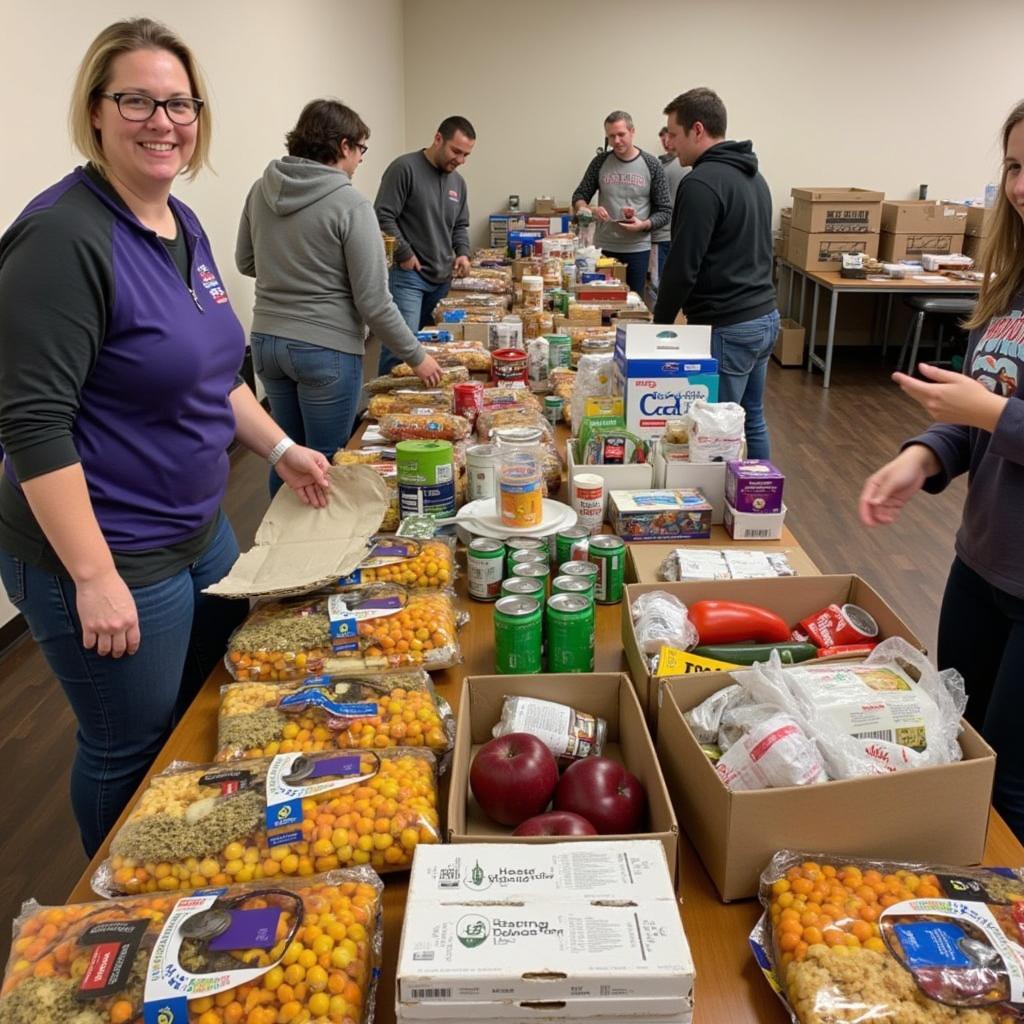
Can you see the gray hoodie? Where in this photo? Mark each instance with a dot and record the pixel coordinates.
(313, 244)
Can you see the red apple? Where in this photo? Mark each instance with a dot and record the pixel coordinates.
(602, 791)
(513, 777)
(556, 823)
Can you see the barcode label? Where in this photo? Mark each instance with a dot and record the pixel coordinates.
(757, 535)
(431, 993)
(423, 954)
(881, 734)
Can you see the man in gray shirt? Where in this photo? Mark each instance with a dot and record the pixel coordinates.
(674, 173)
(632, 198)
(422, 202)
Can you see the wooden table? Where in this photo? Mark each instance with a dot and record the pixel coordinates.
(729, 986)
(835, 284)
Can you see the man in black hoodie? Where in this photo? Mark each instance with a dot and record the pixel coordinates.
(719, 269)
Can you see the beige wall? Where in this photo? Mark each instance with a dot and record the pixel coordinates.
(875, 94)
(263, 61)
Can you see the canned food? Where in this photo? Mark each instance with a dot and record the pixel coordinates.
(586, 495)
(580, 571)
(509, 365)
(485, 562)
(837, 626)
(553, 406)
(569, 734)
(534, 571)
(468, 399)
(513, 544)
(481, 469)
(564, 541)
(523, 556)
(518, 630)
(570, 633)
(608, 553)
(573, 585)
(517, 586)
(559, 350)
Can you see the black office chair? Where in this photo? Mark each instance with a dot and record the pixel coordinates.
(940, 306)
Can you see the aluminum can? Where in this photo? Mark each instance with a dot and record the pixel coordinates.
(573, 585)
(518, 632)
(608, 553)
(485, 565)
(564, 541)
(569, 625)
(517, 586)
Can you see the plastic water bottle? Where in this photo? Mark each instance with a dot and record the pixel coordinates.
(990, 195)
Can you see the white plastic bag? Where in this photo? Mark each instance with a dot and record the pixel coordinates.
(705, 719)
(659, 620)
(594, 379)
(774, 752)
(716, 431)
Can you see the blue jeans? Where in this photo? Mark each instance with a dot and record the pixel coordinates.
(415, 298)
(981, 635)
(636, 268)
(313, 391)
(742, 351)
(126, 707)
(661, 248)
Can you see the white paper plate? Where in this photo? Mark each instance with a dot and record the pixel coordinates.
(480, 519)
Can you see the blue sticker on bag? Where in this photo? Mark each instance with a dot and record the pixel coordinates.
(313, 697)
(933, 944)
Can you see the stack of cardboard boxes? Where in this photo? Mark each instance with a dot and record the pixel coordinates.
(976, 228)
(915, 227)
(828, 222)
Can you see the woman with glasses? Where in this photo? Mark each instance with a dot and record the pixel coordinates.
(119, 396)
(314, 246)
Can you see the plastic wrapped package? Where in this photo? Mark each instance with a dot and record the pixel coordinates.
(424, 565)
(595, 378)
(378, 628)
(722, 564)
(893, 942)
(505, 397)
(409, 401)
(398, 709)
(470, 300)
(450, 375)
(197, 825)
(471, 355)
(569, 734)
(706, 718)
(715, 431)
(409, 426)
(476, 282)
(660, 619)
(491, 418)
(388, 472)
(891, 712)
(769, 749)
(100, 963)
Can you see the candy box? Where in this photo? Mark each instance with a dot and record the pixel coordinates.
(753, 485)
(683, 514)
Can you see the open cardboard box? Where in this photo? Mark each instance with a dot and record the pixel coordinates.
(709, 477)
(643, 560)
(609, 695)
(635, 477)
(792, 597)
(930, 815)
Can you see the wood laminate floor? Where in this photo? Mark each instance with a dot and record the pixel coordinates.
(826, 442)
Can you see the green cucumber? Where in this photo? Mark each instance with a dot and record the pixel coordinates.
(747, 654)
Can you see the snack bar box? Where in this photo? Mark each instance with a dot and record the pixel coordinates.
(661, 369)
(683, 514)
(491, 926)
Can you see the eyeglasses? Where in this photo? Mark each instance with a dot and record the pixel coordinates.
(362, 148)
(135, 106)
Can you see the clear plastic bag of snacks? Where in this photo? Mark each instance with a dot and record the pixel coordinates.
(296, 949)
(291, 815)
(478, 283)
(466, 300)
(450, 375)
(381, 627)
(398, 709)
(491, 417)
(844, 939)
(388, 472)
(426, 426)
(505, 397)
(423, 565)
(473, 355)
(409, 401)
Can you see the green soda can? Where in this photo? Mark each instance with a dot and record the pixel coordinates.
(516, 586)
(608, 553)
(514, 544)
(485, 564)
(518, 631)
(523, 556)
(573, 585)
(570, 633)
(535, 571)
(580, 571)
(564, 541)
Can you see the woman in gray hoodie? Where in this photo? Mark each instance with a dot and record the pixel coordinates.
(314, 246)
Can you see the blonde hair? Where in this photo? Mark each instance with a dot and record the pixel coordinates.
(94, 75)
(1002, 249)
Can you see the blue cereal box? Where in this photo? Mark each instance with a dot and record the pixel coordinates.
(683, 514)
(661, 369)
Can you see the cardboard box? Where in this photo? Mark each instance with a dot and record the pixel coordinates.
(898, 247)
(611, 696)
(545, 206)
(972, 247)
(836, 211)
(644, 560)
(930, 815)
(754, 525)
(638, 477)
(601, 291)
(708, 477)
(683, 514)
(924, 217)
(660, 370)
(825, 252)
(754, 485)
(789, 346)
(979, 221)
(792, 597)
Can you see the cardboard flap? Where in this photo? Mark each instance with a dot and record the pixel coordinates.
(299, 548)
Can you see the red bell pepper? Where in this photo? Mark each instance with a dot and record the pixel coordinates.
(730, 622)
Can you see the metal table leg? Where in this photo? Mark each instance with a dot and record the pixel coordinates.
(812, 359)
(830, 340)
(789, 300)
(803, 293)
(885, 329)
